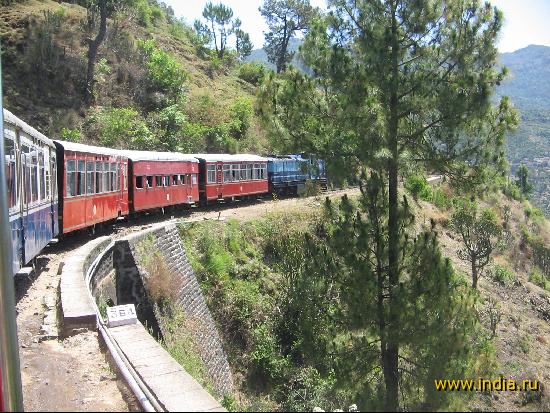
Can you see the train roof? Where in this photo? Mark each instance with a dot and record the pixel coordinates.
(223, 157)
(96, 150)
(159, 156)
(25, 127)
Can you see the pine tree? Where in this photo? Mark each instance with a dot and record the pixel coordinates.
(396, 82)
(219, 19)
(284, 19)
(523, 180)
(479, 234)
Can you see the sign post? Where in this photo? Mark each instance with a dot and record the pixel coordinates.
(11, 395)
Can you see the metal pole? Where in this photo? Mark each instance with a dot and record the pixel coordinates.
(12, 394)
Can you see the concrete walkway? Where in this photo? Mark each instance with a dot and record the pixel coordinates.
(175, 390)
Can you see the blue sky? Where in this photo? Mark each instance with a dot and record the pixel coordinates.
(526, 21)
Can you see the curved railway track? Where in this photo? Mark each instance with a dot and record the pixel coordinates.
(74, 373)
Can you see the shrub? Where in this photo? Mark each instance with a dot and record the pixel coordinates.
(70, 135)
(418, 186)
(241, 117)
(502, 275)
(265, 356)
(164, 73)
(122, 128)
(252, 73)
(537, 277)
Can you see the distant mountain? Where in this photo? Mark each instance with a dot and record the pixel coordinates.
(529, 82)
(260, 56)
(528, 86)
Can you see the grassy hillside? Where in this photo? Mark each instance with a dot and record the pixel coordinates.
(529, 87)
(45, 47)
(284, 322)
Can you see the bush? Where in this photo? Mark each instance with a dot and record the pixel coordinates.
(164, 73)
(71, 135)
(418, 186)
(121, 128)
(252, 73)
(537, 277)
(502, 275)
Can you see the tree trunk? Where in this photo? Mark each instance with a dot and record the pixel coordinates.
(391, 362)
(474, 273)
(92, 53)
(281, 65)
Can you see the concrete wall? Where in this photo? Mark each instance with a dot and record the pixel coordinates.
(120, 277)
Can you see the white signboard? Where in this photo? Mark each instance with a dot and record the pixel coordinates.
(121, 315)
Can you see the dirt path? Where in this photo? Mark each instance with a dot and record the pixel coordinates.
(61, 375)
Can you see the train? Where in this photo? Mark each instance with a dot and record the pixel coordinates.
(56, 187)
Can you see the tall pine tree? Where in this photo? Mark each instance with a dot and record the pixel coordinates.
(396, 82)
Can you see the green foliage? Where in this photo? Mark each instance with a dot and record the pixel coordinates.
(252, 73)
(71, 135)
(479, 232)
(522, 181)
(536, 276)
(121, 128)
(418, 186)
(502, 275)
(284, 19)
(241, 113)
(164, 73)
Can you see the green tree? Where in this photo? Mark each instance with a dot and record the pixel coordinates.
(395, 83)
(284, 19)
(479, 233)
(219, 18)
(522, 181)
(243, 44)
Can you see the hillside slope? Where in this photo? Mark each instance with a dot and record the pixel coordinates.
(45, 63)
(529, 88)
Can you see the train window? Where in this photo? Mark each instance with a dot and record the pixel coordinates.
(158, 181)
(182, 179)
(166, 180)
(249, 170)
(139, 182)
(211, 178)
(175, 180)
(34, 174)
(256, 174)
(149, 182)
(11, 172)
(263, 171)
(113, 177)
(106, 177)
(98, 177)
(243, 172)
(194, 179)
(227, 173)
(71, 171)
(81, 178)
(41, 193)
(235, 172)
(90, 173)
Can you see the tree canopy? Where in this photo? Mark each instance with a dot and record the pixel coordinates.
(395, 83)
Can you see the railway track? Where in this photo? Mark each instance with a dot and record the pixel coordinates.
(74, 373)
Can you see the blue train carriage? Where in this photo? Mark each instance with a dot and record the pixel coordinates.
(31, 172)
(289, 174)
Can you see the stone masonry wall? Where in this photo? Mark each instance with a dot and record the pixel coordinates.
(130, 288)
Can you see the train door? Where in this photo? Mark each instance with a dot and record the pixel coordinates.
(13, 174)
(27, 226)
(52, 183)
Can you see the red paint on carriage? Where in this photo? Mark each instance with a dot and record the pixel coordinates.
(93, 185)
(162, 179)
(231, 176)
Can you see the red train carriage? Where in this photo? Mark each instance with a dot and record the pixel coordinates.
(231, 176)
(93, 185)
(162, 179)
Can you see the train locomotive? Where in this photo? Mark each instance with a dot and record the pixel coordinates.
(56, 187)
